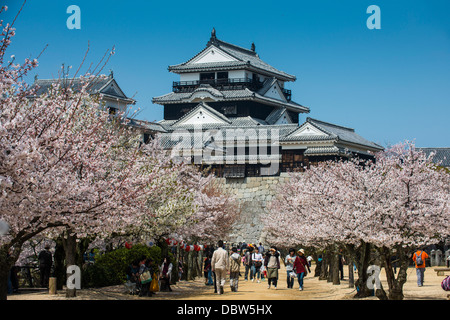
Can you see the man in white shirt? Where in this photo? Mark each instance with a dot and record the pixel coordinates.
(219, 265)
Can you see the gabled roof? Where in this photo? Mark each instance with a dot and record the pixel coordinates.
(323, 131)
(145, 125)
(220, 118)
(105, 85)
(242, 122)
(441, 156)
(267, 84)
(276, 114)
(228, 95)
(243, 59)
(322, 138)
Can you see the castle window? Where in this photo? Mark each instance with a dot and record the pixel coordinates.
(229, 110)
(222, 75)
(207, 77)
(112, 110)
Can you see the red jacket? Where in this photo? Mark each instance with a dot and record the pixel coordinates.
(300, 264)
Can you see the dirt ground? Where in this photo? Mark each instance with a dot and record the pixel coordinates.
(314, 289)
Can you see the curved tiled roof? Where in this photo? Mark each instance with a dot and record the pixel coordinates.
(332, 132)
(247, 59)
(441, 155)
(98, 84)
(228, 95)
(343, 133)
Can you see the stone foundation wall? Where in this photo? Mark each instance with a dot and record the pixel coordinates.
(254, 194)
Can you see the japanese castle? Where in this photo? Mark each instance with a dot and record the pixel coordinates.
(231, 112)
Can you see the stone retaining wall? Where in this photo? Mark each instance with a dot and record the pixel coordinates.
(254, 194)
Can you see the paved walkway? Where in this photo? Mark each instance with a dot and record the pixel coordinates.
(314, 289)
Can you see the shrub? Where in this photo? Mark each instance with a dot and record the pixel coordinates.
(110, 268)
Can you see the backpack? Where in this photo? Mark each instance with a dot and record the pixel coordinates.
(445, 284)
(419, 260)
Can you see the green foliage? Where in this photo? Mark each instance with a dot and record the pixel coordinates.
(110, 268)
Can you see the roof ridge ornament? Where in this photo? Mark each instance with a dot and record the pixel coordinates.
(253, 48)
(213, 39)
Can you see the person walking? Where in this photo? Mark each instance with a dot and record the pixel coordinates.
(248, 263)
(220, 265)
(45, 265)
(272, 264)
(419, 259)
(166, 274)
(289, 262)
(301, 266)
(257, 261)
(180, 269)
(235, 265)
(207, 270)
(261, 248)
(144, 277)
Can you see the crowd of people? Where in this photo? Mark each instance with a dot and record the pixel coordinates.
(145, 278)
(258, 266)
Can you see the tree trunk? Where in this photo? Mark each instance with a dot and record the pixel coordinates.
(8, 258)
(351, 277)
(324, 271)
(70, 248)
(5, 266)
(190, 266)
(318, 268)
(335, 266)
(330, 266)
(200, 264)
(361, 256)
(395, 284)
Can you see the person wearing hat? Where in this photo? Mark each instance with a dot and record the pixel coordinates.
(301, 266)
(272, 264)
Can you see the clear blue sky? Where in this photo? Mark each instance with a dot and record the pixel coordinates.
(390, 84)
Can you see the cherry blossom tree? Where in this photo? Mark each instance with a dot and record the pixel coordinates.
(65, 164)
(215, 211)
(413, 210)
(399, 201)
(67, 167)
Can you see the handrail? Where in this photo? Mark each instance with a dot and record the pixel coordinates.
(214, 82)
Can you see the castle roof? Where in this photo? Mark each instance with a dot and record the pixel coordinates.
(237, 58)
(227, 95)
(105, 85)
(441, 155)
